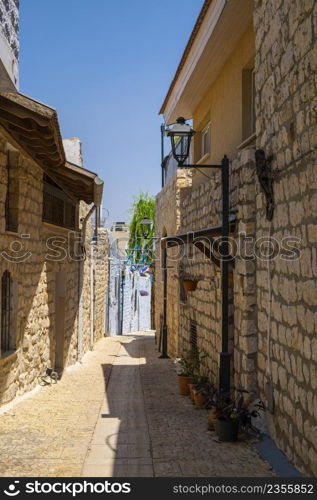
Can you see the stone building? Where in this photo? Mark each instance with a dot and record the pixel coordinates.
(9, 44)
(247, 80)
(51, 306)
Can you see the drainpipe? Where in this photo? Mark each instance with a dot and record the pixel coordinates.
(92, 290)
(162, 155)
(164, 354)
(81, 283)
(98, 189)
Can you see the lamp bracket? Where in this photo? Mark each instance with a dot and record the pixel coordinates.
(266, 177)
(199, 166)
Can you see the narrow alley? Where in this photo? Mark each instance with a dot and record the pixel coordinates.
(118, 414)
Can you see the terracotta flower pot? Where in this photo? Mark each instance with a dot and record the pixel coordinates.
(189, 285)
(183, 385)
(191, 392)
(211, 419)
(200, 399)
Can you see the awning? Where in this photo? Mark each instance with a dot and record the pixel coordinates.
(34, 127)
(203, 239)
(84, 184)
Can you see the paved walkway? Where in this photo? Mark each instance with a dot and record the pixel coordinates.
(49, 433)
(141, 427)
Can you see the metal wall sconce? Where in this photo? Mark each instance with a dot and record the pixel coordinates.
(181, 135)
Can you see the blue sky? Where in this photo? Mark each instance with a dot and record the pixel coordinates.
(106, 66)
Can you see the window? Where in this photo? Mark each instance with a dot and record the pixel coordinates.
(12, 195)
(193, 335)
(205, 141)
(7, 327)
(58, 208)
(248, 103)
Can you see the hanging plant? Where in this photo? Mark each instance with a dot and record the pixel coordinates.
(189, 284)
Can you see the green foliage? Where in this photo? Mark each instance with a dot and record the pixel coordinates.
(190, 363)
(143, 206)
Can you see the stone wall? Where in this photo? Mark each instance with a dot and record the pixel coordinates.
(9, 45)
(9, 23)
(274, 301)
(167, 222)
(36, 267)
(286, 63)
(85, 290)
(201, 208)
(100, 277)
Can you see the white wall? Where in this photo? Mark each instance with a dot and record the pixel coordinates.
(9, 45)
(139, 318)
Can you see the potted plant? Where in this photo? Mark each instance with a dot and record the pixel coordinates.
(185, 374)
(189, 283)
(230, 411)
(195, 380)
(210, 405)
(201, 390)
(227, 417)
(187, 368)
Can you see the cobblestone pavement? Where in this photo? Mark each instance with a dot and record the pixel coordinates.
(48, 434)
(141, 427)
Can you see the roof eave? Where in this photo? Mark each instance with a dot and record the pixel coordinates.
(194, 33)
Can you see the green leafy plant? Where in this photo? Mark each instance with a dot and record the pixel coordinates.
(141, 246)
(202, 387)
(189, 364)
(229, 406)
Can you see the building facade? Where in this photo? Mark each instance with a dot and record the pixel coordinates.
(52, 278)
(9, 44)
(247, 80)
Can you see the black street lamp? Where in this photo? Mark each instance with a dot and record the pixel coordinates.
(146, 227)
(181, 134)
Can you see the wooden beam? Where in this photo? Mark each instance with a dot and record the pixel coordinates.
(14, 109)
